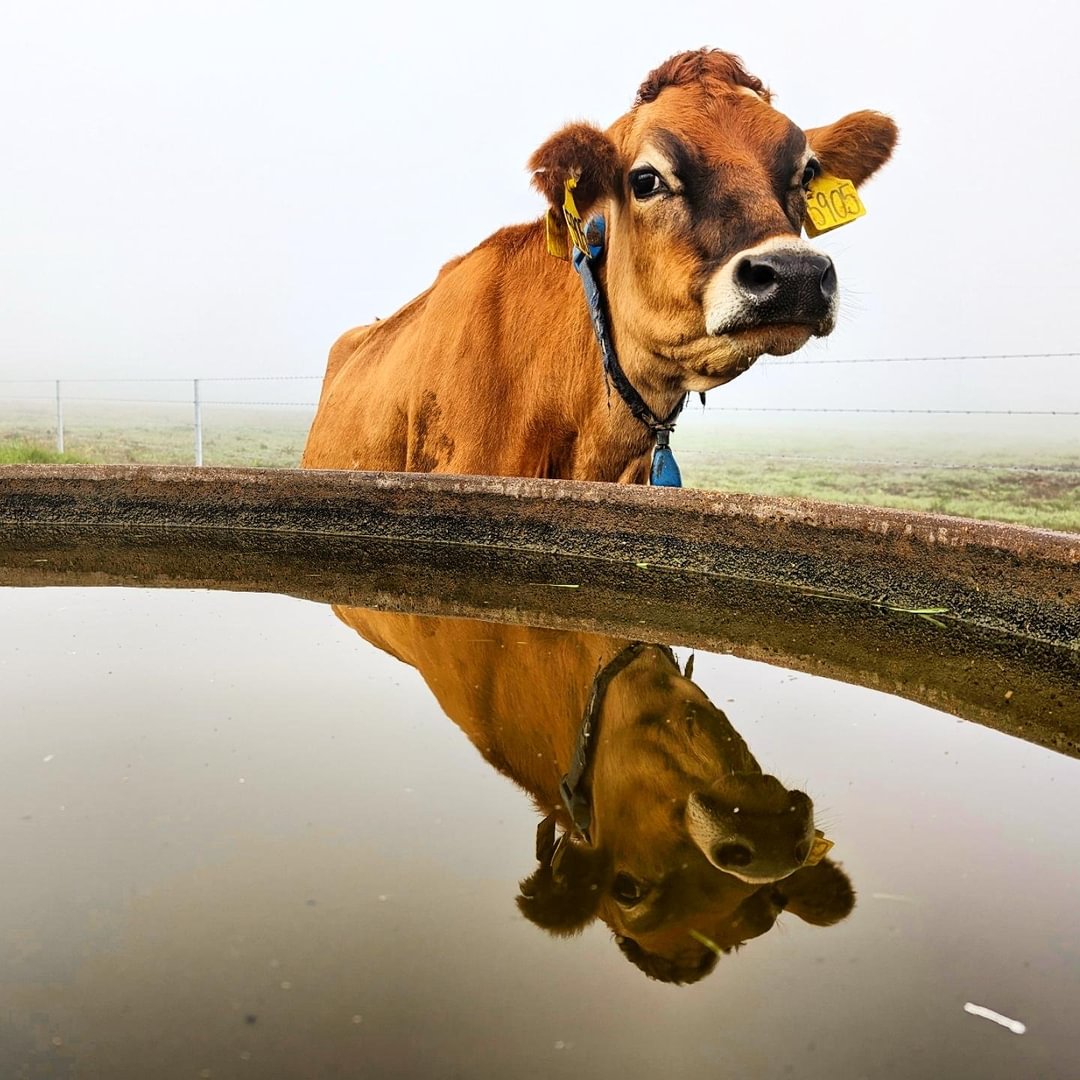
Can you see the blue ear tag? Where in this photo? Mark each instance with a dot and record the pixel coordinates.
(665, 469)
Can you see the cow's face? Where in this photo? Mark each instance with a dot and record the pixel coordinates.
(703, 185)
(692, 846)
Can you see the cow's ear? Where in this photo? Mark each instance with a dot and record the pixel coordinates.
(580, 151)
(565, 900)
(821, 895)
(856, 146)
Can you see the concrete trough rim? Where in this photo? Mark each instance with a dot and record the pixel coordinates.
(1055, 547)
(1010, 578)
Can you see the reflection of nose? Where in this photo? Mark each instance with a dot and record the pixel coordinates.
(788, 284)
(751, 826)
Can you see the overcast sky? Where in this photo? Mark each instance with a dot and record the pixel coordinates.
(221, 189)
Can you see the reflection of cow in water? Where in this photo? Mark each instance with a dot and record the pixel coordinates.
(690, 850)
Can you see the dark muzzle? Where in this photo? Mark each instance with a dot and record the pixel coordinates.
(787, 287)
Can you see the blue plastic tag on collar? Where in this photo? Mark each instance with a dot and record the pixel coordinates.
(665, 469)
(595, 232)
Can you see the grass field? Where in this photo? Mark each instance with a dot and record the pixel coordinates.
(1013, 469)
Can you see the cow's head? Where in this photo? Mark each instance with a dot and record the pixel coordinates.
(693, 849)
(703, 185)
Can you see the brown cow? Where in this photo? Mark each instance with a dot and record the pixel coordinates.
(690, 850)
(495, 369)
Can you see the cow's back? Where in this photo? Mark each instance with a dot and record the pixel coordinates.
(359, 366)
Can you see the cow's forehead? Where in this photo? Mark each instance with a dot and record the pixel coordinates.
(715, 125)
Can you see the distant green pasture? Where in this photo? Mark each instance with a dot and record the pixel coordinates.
(1017, 469)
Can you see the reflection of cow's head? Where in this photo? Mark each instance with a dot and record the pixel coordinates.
(693, 849)
(704, 188)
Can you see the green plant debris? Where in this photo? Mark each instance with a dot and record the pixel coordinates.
(708, 942)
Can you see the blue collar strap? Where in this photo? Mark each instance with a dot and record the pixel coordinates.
(665, 470)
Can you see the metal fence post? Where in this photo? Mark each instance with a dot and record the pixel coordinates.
(59, 420)
(198, 427)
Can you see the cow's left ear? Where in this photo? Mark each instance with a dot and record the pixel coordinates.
(582, 152)
(856, 146)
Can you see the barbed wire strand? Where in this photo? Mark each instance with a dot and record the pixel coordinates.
(772, 362)
(708, 408)
(797, 362)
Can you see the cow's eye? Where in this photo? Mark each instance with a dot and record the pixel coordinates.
(628, 891)
(810, 174)
(645, 183)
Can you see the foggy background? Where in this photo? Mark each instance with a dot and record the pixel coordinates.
(221, 189)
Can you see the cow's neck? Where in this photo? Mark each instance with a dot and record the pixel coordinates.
(608, 441)
(518, 693)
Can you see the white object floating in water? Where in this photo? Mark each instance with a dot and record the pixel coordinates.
(1015, 1026)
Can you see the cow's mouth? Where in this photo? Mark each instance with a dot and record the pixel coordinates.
(776, 339)
(804, 328)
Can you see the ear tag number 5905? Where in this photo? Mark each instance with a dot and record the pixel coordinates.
(830, 203)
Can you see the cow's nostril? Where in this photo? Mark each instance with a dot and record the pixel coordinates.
(756, 276)
(729, 856)
(828, 281)
(802, 851)
(761, 275)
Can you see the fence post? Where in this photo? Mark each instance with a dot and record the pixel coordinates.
(198, 427)
(59, 420)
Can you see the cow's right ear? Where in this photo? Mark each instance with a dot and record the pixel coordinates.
(581, 152)
(565, 900)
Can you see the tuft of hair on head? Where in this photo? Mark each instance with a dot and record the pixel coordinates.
(700, 66)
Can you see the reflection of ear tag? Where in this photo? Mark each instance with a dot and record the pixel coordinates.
(830, 203)
(574, 224)
(555, 231)
(819, 849)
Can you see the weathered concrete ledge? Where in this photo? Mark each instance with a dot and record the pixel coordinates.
(1006, 578)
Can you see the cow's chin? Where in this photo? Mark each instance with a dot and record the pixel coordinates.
(778, 339)
(724, 357)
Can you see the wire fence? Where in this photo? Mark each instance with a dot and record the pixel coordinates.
(716, 449)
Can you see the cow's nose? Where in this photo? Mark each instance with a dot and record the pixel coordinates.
(788, 284)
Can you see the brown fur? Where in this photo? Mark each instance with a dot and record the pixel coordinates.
(519, 694)
(494, 369)
(702, 66)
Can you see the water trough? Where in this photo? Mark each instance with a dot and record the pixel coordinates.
(978, 619)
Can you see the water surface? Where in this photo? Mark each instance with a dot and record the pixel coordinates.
(242, 841)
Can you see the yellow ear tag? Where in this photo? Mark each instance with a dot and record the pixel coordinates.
(830, 203)
(574, 224)
(819, 849)
(555, 231)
